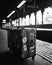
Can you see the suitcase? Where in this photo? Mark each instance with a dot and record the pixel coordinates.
(29, 42)
(22, 42)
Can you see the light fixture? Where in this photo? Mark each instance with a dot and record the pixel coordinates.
(21, 3)
(11, 13)
(4, 21)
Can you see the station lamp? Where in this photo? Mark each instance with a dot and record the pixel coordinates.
(11, 13)
(4, 21)
(23, 2)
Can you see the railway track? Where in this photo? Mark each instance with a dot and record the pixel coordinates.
(44, 49)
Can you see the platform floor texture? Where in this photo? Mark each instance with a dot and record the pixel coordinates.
(44, 49)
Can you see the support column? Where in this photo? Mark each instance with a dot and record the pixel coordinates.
(24, 14)
(35, 13)
(42, 15)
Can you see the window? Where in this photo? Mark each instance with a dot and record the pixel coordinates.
(24, 21)
(27, 19)
(32, 19)
(47, 16)
(14, 22)
(39, 17)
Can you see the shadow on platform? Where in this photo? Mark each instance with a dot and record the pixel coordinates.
(10, 59)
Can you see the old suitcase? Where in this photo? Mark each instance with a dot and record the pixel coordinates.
(22, 42)
(29, 42)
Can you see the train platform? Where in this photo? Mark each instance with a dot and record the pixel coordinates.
(10, 59)
(44, 49)
(43, 56)
(43, 53)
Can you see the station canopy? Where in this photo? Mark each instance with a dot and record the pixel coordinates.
(9, 5)
(40, 4)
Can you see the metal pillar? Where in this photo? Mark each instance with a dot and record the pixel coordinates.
(35, 13)
(42, 15)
